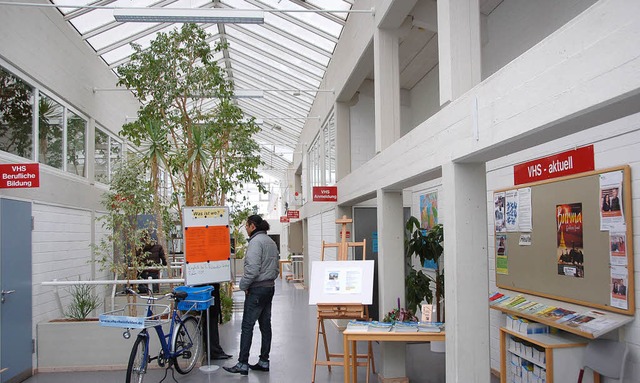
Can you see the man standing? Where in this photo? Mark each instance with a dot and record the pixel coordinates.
(260, 271)
(615, 201)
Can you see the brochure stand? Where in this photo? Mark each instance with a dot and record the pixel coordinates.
(349, 311)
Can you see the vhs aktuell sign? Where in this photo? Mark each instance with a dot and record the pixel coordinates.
(559, 165)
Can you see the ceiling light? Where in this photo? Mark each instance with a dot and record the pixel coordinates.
(248, 93)
(167, 15)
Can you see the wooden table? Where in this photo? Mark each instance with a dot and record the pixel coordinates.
(350, 337)
(282, 262)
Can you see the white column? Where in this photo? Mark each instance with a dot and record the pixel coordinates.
(459, 52)
(386, 70)
(343, 140)
(391, 274)
(466, 273)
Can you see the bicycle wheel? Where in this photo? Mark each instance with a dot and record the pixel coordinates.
(187, 345)
(138, 360)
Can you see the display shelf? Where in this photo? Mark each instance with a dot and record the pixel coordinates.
(563, 355)
(609, 321)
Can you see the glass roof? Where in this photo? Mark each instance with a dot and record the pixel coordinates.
(286, 56)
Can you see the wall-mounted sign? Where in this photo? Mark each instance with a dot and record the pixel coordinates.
(559, 165)
(294, 214)
(325, 194)
(284, 219)
(19, 176)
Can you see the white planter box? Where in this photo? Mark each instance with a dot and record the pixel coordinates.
(84, 346)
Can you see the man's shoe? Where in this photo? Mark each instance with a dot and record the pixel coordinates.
(240, 368)
(221, 356)
(260, 366)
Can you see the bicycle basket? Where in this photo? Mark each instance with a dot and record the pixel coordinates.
(198, 298)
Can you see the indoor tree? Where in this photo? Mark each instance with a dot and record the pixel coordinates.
(189, 118)
(189, 123)
(129, 196)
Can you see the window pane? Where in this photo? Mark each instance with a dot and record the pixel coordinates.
(330, 151)
(50, 132)
(16, 115)
(115, 156)
(101, 167)
(76, 139)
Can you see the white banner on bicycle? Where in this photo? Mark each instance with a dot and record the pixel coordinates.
(121, 321)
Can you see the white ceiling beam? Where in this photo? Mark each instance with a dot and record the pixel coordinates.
(275, 58)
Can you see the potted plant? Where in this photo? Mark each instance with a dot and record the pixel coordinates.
(71, 342)
(426, 246)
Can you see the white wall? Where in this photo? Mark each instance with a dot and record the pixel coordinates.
(61, 250)
(425, 98)
(362, 130)
(615, 143)
(517, 25)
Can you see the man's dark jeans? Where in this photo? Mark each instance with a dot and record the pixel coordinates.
(257, 307)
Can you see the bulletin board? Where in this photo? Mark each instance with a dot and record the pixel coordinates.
(579, 247)
(341, 282)
(207, 245)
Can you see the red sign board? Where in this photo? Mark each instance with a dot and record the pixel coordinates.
(325, 194)
(284, 219)
(19, 176)
(559, 165)
(295, 214)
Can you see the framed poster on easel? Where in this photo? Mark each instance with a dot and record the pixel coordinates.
(207, 245)
(341, 282)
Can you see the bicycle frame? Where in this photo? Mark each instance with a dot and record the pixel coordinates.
(165, 342)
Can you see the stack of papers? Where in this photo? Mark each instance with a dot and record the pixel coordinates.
(430, 326)
(356, 325)
(405, 327)
(380, 326)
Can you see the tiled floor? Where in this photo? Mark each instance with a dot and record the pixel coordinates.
(293, 323)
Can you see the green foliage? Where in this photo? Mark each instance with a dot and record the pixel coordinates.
(226, 303)
(83, 301)
(16, 115)
(129, 195)
(189, 123)
(426, 245)
(417, 288)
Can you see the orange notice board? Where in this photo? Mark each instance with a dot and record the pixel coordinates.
(207, 243)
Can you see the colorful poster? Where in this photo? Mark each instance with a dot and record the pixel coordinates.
(429, 210)
(569, 240)
(618, 246)
(511, 210)
(502, 264)
(611, 209)
(619, 283)
(498, 211)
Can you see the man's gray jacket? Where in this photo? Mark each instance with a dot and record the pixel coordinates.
(260, 262)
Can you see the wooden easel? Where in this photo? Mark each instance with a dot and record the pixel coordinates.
(355, 311)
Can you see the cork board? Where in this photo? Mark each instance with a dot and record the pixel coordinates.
(542, 265)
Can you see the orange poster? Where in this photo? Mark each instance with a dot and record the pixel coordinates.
(207, 243)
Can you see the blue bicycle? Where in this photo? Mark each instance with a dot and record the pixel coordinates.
(181, 346)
